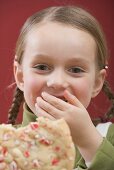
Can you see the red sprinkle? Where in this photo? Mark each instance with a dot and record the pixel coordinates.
(57, 148)
(34, 126)
(55, 161)
(44, 141)
(26, 154)
(4, 151)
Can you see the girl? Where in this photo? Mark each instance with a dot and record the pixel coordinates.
(60, 65)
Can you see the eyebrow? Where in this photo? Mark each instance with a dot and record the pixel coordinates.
(79, 60)
(42, 56)
(72, 60)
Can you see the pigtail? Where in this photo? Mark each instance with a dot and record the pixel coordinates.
(108, 92)
(110, 113)
(16, 103)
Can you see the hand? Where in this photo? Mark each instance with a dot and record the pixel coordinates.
(72, 111)
(83, 132)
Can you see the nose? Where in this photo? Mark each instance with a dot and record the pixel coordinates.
(57, 80)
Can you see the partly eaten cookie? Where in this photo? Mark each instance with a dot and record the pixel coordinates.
(42, 145)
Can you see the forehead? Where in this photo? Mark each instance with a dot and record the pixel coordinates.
(54, 38)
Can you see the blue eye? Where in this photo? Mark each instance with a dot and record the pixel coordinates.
(42, 67)
(76, 70)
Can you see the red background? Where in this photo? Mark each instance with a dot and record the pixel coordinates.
(13, 14)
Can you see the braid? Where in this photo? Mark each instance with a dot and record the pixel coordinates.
(16, 103)
(110, 114)
(108, 92)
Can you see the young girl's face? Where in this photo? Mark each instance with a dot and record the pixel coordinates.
(58, 57)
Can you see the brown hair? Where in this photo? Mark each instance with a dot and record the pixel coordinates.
(77, 18)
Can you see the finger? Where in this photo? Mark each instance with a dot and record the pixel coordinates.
(47, 106)
(72, 99)
(42, 113)
(54, 101)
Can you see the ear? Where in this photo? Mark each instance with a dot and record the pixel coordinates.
(99, 81)
(18, 74)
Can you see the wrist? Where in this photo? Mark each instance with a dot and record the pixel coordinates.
(90, 144)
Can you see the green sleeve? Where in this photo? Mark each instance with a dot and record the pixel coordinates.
(104, 158)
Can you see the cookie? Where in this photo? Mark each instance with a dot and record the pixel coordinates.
(41, 145)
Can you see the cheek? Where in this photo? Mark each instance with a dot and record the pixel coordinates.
(83, 91)
(33, 88)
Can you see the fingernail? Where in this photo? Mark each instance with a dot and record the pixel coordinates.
(44, 94)
(36, 113)
(37, 99)
(35, 105)
(66, 91)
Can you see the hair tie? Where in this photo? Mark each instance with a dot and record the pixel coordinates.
(106, 67)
